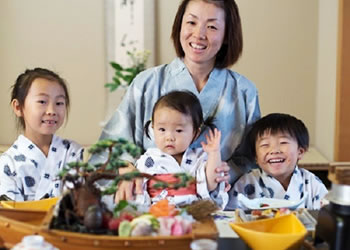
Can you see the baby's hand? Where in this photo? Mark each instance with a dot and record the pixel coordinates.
(213, 141)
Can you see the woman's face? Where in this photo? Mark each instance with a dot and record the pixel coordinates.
(202, 32)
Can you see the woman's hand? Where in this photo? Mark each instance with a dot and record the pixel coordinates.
(223, 175)
(126, 189)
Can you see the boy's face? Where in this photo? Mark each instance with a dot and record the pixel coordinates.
(278, 154)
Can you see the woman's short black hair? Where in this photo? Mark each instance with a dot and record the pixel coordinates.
(232, 46)
(277, 123)
(186, 103)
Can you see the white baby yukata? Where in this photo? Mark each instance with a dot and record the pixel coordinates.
(154, 161)
(258, 184)
(27, 174)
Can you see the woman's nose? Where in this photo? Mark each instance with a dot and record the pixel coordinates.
(200, 32)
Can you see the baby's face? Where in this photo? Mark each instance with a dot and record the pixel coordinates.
(278, 154)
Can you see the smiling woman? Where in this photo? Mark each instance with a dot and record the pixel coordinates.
(205, 47)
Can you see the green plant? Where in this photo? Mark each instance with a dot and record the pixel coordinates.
(124, 75)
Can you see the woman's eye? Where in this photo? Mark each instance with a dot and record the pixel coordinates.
(191, 22)
(212, 27)
(60, 103)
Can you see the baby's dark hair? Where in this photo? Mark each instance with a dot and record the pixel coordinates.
(278, 123)
(186, 103)
(24, 81)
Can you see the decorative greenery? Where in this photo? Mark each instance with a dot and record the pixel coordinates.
(124, 75)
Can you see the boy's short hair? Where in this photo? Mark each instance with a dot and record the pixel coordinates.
(274, 123)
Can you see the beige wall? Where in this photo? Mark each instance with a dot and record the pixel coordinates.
(65, 36)
(326, 78)
(289, 53)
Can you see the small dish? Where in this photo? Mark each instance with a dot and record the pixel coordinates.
(266, 203)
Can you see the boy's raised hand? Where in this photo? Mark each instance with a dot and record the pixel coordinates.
(213, 141)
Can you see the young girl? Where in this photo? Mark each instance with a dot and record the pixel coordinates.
(176, 122)
(277, 142)
(29, 168)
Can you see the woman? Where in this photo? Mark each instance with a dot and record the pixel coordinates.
(207, 37)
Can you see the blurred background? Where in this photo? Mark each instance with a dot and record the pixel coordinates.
(290, 53)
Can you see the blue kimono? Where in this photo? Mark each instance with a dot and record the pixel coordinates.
(228, 96)
(27, 174)
(258, 184)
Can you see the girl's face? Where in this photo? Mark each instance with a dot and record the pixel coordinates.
(202, 32)
(278, 155)
(44, 108)
(173, 131)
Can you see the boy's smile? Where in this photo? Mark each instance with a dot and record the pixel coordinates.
(277, 154)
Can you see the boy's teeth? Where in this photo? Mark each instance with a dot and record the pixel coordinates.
(276, 160)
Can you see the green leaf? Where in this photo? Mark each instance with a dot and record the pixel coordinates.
(116, 66)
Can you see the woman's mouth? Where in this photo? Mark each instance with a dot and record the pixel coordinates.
(198, 46)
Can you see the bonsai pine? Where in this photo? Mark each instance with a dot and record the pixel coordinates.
(83, 203)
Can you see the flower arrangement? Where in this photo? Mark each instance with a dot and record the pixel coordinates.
(124, 75)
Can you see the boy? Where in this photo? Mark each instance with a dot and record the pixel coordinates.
(277, 142)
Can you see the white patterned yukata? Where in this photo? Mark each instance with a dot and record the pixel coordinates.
(154, 161)
(228, 96)
(27, 174)
(257, 184)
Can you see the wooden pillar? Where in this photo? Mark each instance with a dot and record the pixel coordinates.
(342, 134)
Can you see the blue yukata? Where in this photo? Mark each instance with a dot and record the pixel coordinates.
(27, 174)
(227, 96)
(257, 184)
(154, 161)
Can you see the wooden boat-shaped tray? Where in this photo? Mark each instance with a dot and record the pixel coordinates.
(17, 223)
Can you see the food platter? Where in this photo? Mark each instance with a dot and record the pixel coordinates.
(17, 223)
